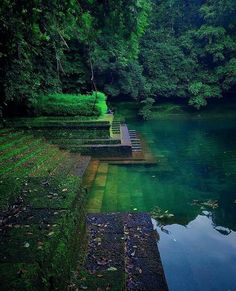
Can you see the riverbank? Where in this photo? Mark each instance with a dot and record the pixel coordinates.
(43, 226)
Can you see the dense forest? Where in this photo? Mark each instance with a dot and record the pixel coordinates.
(140, 49)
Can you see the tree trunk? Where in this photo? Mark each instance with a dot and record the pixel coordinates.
(93, 82)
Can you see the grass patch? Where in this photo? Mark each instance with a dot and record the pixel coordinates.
(71, 105)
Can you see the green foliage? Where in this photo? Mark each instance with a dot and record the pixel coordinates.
(189, 50)
(67, 104)
(136, 48)
(69, 46)
(201, 92)
(145, 111)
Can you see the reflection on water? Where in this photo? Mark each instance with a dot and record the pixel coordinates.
(197, 256)
(196, 164)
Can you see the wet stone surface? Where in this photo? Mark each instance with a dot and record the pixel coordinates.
(124, 244)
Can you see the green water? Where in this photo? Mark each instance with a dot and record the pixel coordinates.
(196, 161)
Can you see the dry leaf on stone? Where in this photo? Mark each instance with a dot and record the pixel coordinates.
(26, 245)
(112, 269)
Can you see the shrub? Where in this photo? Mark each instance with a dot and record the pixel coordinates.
(59, 104)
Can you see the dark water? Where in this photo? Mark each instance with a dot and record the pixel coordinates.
(196, 168)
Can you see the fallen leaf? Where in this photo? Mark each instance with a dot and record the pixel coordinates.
(98, 239)
(102, 262)
(112, 269)
(133, 254)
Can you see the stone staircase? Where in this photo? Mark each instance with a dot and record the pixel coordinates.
(135, 141)
(41, 197)
(115, 127)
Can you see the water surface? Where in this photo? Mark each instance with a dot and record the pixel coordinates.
(196, 163)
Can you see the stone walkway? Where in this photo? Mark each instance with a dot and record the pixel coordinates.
(122, 253)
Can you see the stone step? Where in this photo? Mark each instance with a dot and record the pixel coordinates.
(142, 259)
(122, 253)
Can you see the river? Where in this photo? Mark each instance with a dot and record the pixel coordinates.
(195, 180)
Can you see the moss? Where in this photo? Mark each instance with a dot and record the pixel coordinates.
(59, 257)
(105, 280)
(111, 150)
(91, 133)
(85, 141)
(25, 277)
(25, 163)
(71, 105)
(48, 230)
(50, 167)
(10, 188)
(15, 154)
(15, 142)
(9, 136)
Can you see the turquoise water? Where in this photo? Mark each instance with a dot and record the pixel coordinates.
(196, 167)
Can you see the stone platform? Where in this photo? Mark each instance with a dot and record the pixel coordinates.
(122, 253)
